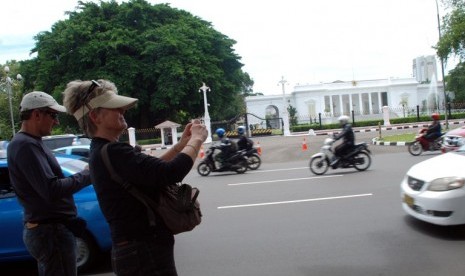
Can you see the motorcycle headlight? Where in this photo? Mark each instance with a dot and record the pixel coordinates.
(446, 184)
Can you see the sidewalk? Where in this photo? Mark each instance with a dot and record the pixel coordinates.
(151, 149)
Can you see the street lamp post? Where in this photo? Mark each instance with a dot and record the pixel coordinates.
(206, 118)
(9, 91)
(442, 70)
(284, 113)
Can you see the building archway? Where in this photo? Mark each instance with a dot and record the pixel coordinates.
(272, 117)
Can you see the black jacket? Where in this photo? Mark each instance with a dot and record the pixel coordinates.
(347, 133)
(126, 215)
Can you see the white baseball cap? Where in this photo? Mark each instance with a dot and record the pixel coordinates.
(38, 99)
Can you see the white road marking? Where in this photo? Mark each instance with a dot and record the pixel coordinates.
(293, 201)
(284, 180)
(277, 170)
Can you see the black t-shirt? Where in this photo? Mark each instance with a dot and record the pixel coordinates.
(126, 215)
(38, 181)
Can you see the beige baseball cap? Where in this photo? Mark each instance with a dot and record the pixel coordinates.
(109, 99)
(38, 99)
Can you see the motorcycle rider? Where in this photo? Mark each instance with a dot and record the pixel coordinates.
(434, 130)
(348, 142)
(226, 146)
(243, 143)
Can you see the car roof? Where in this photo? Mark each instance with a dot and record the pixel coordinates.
(72, 163)
(457, 131)
(58, 136)
(73, 147)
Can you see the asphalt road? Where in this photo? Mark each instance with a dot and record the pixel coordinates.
(283, 220)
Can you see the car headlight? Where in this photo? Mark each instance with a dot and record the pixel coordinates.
(446, 184)
(461, 142)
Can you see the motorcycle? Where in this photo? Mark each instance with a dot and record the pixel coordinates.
(358, 158)
(422, 144)
(253, 159)
(237, 162)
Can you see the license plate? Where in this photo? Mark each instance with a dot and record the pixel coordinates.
(409, 200)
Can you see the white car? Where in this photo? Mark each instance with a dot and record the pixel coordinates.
(434, 190)
(81, 150)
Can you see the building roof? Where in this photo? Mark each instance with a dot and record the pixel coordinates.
(167, 124)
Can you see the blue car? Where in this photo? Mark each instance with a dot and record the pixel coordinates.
(89, 248)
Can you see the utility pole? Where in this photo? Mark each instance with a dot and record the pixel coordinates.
(442, 69)
(285, 115)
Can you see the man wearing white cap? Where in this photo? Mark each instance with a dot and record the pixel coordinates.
(138, 248)
(43, 191)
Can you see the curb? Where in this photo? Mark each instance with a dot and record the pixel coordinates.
(375, 141)
(387, 128)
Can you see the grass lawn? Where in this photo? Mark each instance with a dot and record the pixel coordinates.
(405, 137)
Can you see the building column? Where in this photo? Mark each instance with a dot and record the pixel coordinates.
(360, 104)
(351, 107)
(341, 108)
(331, 110)
(370, 103)
(380, 104)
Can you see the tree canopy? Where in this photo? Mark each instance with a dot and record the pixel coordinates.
(453, 30)
(452, 42)
(156, 53)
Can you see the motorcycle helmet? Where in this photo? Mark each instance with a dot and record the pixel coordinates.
(241, 130)
(220, 132)
(343, 119)
(435, 116)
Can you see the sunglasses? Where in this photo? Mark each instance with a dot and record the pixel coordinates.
(91, 88)
(53, 115)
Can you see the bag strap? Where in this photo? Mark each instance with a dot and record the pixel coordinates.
(148, 203)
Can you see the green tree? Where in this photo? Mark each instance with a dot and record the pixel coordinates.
(452, 42)
(292, 111)
(158, 54)
(456, 82)
(453, 30)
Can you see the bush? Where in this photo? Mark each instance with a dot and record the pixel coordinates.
(375, 123)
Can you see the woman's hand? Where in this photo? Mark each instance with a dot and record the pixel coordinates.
(198, 131)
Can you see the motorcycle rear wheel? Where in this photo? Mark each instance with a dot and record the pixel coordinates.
(203, 169)
(415, 148)
(319, 165)
(362, 161)
(254, 162)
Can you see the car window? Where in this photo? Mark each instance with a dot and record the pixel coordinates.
(6, 190)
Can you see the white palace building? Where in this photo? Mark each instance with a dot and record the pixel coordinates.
(362, 98)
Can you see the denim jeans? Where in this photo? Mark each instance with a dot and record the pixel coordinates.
(54, 248)
(144, 257)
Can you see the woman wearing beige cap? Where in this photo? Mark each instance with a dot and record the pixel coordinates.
(138, 249)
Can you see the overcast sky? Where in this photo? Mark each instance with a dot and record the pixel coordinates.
(304, 41)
